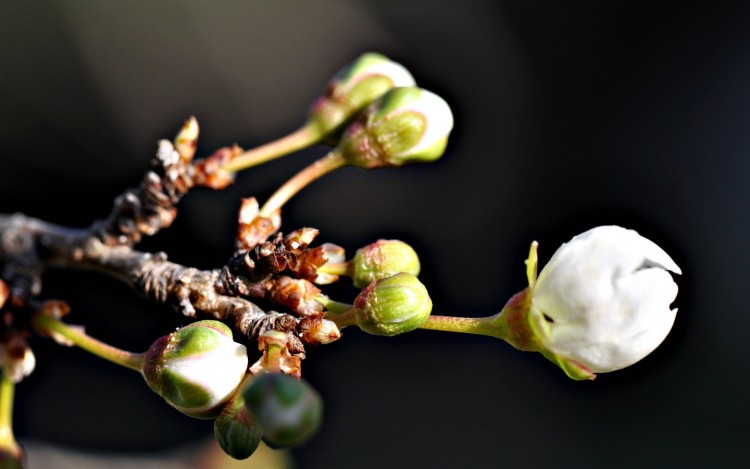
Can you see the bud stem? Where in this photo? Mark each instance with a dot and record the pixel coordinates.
(273, 358)
(303, 137)
(333, 307)
(7, 440)
(333, 160)
(131, 360)
(342, 320)
(477, 326)
(336, 268)
(511, 324)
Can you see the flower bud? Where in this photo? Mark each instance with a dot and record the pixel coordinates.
(602, 302)
(355, 87)
(405, 125)
(392, 305)
(382, 259)
(236, 430)
(197, 368)
(289, 410)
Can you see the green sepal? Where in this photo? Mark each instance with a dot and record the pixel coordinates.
(235, 429)
(393, 305)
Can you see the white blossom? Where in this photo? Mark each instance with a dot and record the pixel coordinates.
(604, 298)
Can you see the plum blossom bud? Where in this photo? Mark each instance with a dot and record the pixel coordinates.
(392, 305)
(290, 411)
(603, 300)
(381, 259)
(235, 428)
(355, 87)
(405, 125)
(197, 368)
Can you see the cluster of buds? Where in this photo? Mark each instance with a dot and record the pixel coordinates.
(376, 117)
(602, 303)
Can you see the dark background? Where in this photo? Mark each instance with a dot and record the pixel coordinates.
(568, 115)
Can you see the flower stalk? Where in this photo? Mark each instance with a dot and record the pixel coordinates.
(301, 138)
(79, 338)
(333, 160)
(10, 452)
(510, 324)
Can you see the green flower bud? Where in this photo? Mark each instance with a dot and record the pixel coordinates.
(236, 430)
(197, 368)
(355, 87)
(382, 259)
(290, 411)
(392, 306)
(405, 125)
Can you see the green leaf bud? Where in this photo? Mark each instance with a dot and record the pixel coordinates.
(197, 368)
(353, 88)
(392, 305)
(290, 411)
(236, 430)
(405, 125)
(382, 259)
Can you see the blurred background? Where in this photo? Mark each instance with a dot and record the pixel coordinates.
(568, 115)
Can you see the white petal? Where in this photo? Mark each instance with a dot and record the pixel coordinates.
(608, 296)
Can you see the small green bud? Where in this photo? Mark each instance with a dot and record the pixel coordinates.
(405, 125)
(197, 368)
(392, 305)
(290, 411)
(236, 430)
(353, 88)
(382, 259)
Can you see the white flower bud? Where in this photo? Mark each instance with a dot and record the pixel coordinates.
(603, 300)
(354, 87)
(197, 368)
(404, 126)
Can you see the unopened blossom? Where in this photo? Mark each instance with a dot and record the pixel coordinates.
(603, 300)
(381, 259)
(197, 368)
(354, 87)
(406, 125)
(392, 305)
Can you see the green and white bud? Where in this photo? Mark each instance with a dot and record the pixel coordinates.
(405, 125)
(381, 259)
(290, 411)
(235, 429)
(353, 88)
(393, 305)
(197, 368)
